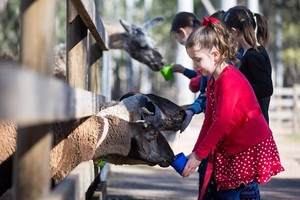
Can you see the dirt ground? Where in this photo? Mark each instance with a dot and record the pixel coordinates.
(144, 182)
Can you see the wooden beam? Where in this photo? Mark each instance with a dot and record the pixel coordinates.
(31, 173)
(32, 99)
(95, 67)
(75, 185)
(76, 49)
(38, 34)
(87, 11)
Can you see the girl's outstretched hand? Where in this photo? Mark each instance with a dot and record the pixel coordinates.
(178, 68)
(191, 165)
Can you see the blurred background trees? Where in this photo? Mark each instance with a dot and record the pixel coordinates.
(283, 17)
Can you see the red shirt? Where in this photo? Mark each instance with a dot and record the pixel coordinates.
(233, 116)
(235, 130)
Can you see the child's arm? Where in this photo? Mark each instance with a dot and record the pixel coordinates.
(177, 68)
(197, 107)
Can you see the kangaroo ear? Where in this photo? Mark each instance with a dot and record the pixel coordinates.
(143, 101)
(150, 106)
(127, 26)
(152, 22)
(147, 107)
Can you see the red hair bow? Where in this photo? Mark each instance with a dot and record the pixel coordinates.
(205, 21)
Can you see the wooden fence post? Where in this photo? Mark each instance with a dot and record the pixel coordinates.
(95, 69)
(31, 161)
(76, 49)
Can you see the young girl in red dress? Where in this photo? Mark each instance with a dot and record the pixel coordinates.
(234, 129)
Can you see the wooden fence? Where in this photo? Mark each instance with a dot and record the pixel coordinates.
(35, 100)
(285, 109)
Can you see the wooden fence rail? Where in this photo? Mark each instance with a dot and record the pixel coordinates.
(285, 107)
(30, 96)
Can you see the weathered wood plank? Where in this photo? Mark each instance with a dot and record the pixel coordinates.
(281, 91)
(75, 185)
(34, 142)
(278, 103)
(95, 67)
(31, 162)
(284, 106)
(76, 49)
(32, 99)
(87, 11)
(38, 34)
(281, 115)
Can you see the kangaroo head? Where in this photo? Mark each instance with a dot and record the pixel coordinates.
(140, 45)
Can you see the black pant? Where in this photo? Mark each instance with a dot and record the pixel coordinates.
(211, 189)
(250, 192)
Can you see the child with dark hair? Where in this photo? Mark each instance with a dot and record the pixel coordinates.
(234, 133)
(255, 63)
(182, 25)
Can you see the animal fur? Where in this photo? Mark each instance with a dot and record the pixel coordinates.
(79, 137)
(137, 107)
(134, 39)
(76, 141)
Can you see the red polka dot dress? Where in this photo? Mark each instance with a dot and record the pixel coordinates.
(258, 164)
(236, 132)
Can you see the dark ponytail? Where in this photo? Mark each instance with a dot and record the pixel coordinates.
(262, 32)
(242, 18)
(248, 32)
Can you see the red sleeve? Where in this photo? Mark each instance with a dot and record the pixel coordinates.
(207, 119)
(225, 98)
(195, 82)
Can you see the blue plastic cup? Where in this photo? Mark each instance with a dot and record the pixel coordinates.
(179, 162)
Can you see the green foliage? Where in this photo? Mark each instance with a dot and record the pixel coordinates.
(60, 21)
(10, 25)
(9, 28)
(291, 40)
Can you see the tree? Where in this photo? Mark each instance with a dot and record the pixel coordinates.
(9, 28)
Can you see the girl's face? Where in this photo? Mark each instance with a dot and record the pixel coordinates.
(182, 35)
(204, 60)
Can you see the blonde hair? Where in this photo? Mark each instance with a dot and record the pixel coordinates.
(214, 34)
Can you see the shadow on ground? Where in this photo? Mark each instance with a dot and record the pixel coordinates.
(150, 183)
(140, 182)
(143, 182)
(281, 189)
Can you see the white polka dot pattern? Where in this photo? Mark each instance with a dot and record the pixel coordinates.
(257, 163)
